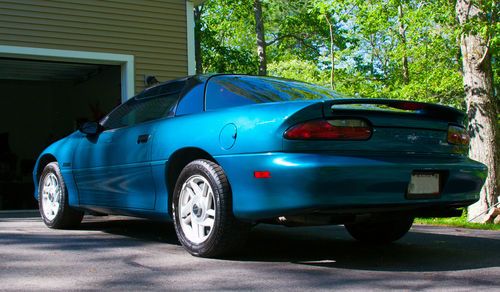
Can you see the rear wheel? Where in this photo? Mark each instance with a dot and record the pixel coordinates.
(53, 200)
(202, 211)
(380, 230)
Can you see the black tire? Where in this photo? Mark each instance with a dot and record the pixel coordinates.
(66, 217)
(227, 234)
(380, 231)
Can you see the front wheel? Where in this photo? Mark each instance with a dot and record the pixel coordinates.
(53, 200)
(384, 230)
(202, 211)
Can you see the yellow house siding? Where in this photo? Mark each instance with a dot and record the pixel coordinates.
(153, 31)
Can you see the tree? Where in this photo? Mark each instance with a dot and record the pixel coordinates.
(336, 15)
(261, 40)
(402, 36)
(198, 11)
(224, 28)
(292, 31)
(373, 49)
(332, 51)
(284, 25)
(476, 20)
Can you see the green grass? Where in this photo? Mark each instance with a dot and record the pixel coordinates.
(457, 222)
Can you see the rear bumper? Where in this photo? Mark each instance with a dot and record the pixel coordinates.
(302, 183)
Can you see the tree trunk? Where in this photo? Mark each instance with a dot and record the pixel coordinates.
(332, 53)
(261, 40)
(197, 39)
(481, 105)
(402, 36)
(372, 56)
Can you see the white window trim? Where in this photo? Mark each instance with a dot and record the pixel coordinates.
(190, 37)
(126, 62)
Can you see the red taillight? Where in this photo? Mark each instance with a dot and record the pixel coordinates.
(458, 136)
(341, 129)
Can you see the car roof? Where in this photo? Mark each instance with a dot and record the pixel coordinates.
(205, 77)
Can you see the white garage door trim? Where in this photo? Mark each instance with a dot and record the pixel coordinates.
(190, 38)
(126, 62)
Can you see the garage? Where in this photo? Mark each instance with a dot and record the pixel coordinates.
(66, 62)
(42, 101)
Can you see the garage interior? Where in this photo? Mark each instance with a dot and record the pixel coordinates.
(42, 102)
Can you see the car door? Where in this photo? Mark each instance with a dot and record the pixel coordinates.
(113, 169)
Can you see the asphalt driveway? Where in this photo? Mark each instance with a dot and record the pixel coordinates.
(132, 254)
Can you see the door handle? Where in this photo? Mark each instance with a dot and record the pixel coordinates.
(143, 138)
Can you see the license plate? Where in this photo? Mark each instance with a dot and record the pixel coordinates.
(424, 185)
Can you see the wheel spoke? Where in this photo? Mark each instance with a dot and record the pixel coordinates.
(201, 231)
(211, 212)
(196, 229)
(208, 222)
(186, 208)
(206, 202)
(186, 220)
(195, 187)
(189, 192)
(57, 193)
(205, 188)
(52, 183)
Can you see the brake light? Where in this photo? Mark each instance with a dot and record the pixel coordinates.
(408, 105)
(458, 136)
(339, 129)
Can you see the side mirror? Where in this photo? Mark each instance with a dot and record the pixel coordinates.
(91, 128)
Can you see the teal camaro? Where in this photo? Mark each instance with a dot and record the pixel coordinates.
(217, 154)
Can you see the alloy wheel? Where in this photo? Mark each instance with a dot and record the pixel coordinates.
(197, 209)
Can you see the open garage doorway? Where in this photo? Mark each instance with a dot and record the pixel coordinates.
(42, 101)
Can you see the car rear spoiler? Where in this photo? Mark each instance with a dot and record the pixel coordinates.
(426, 109)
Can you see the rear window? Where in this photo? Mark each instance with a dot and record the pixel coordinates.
(228, 91)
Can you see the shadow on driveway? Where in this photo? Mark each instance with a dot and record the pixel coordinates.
(418, 251)
(425, 248)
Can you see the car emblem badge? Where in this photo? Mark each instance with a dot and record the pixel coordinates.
(412, 138)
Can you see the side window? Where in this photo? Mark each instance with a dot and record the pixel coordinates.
(159, 102)
(192, 100)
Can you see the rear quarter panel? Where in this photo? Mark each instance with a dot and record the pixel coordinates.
(259, 129)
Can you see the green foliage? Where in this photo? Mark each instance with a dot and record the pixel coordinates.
(292, 32)
(457, 222)
(226, 42)
(296, 69)
(368, 44)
